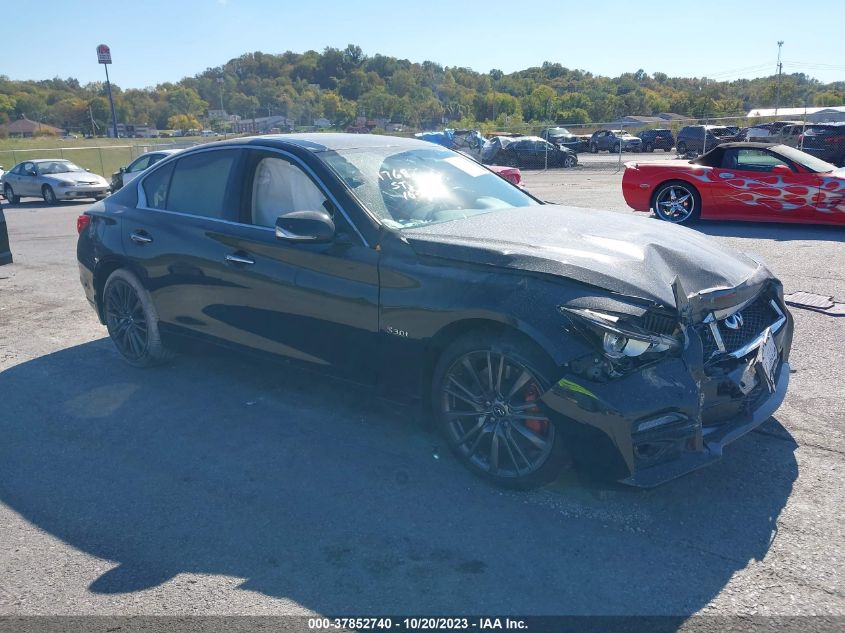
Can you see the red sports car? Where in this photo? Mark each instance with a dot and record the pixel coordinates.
(739, 181)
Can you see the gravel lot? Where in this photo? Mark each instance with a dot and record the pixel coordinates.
(226, 485)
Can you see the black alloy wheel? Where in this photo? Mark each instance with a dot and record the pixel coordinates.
(132, 320)
(126, 321)
(570, 161)
(682, 148)
(487, 399)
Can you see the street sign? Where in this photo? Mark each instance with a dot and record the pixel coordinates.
(103, 54)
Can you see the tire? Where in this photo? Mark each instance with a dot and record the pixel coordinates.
(478, 422)
(132, 320)
(682, 148)
(9, 194)
(617, 148)
(594, 149)
(649, 148)
(570, 161)
(685, 210)
(667, 149)
(49, 195)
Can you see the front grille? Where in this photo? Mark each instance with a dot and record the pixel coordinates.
(755, 317)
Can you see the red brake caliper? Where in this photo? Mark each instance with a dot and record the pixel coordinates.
(540, 427)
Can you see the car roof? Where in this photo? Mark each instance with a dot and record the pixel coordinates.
(46, 160)
(328, 141)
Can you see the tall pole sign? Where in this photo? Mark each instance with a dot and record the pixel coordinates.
(104, 58)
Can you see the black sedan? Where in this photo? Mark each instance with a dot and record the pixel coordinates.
(529, 332)
(526, 151)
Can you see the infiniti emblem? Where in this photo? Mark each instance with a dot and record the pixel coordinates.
(734, 322)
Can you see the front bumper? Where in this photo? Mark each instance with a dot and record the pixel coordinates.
(81, 192)
(673, 416)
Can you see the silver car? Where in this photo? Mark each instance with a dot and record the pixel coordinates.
(53, 179)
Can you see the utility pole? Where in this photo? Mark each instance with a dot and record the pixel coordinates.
(780, 70)
(104, 57)
(220, 87)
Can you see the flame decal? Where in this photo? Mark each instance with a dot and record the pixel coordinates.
(774, 193)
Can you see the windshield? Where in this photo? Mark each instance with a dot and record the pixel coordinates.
(558, 131)
(807, 160)
(720, 131)
(406, 188)
(58, 167)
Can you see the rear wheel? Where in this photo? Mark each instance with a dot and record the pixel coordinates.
(9, 194)
(49, 195)
(132, 320)
(667, 149)
(486, 395)
(617, 148)
(677, 202)
(682, 148)
(594, 149)
(649, 147)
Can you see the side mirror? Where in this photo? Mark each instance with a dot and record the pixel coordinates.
(123, 170)
(781, 170)
(305, 226)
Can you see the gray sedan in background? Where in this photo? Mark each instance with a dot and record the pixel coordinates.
(53, 179)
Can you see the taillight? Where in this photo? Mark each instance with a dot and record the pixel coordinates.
(82, 223)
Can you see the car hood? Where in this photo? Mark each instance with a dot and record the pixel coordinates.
(77, 177)
(628, 255)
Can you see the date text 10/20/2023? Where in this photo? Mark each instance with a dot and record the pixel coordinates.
(416, 624)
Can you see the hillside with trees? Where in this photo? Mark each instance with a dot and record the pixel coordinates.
(340, 85)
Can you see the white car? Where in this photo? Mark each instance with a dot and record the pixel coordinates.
(53, 179)
(127, 174)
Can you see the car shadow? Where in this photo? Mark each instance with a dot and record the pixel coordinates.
(780, 232)
(309, 490)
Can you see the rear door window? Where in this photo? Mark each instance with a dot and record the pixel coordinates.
(156, 185)
(204, 184)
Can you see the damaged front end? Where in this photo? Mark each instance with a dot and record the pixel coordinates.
(665, 389)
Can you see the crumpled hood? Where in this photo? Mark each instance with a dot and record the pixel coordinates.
(74, 177)
(625, 254)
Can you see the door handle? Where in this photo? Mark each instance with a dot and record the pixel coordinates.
(726, 174)
(239, 259)
(140, 238)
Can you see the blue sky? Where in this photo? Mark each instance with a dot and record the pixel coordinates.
(156, 40)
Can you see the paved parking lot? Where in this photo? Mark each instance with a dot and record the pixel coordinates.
(223, 484)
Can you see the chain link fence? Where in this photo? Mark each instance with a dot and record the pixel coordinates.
(103, 160)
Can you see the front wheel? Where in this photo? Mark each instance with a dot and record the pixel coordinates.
(49, 195)
(570, 161)
(132, 320)
(677, 202)
(682, 148)
(486, 395)
(9, 194)
(649, 147)
(594, 149)
(617, 148)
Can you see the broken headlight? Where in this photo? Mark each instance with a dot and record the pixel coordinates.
(624, 346)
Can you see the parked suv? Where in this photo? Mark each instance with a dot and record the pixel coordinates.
(703, 138)
(657, 139)
(614, 141)
(825, 141)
